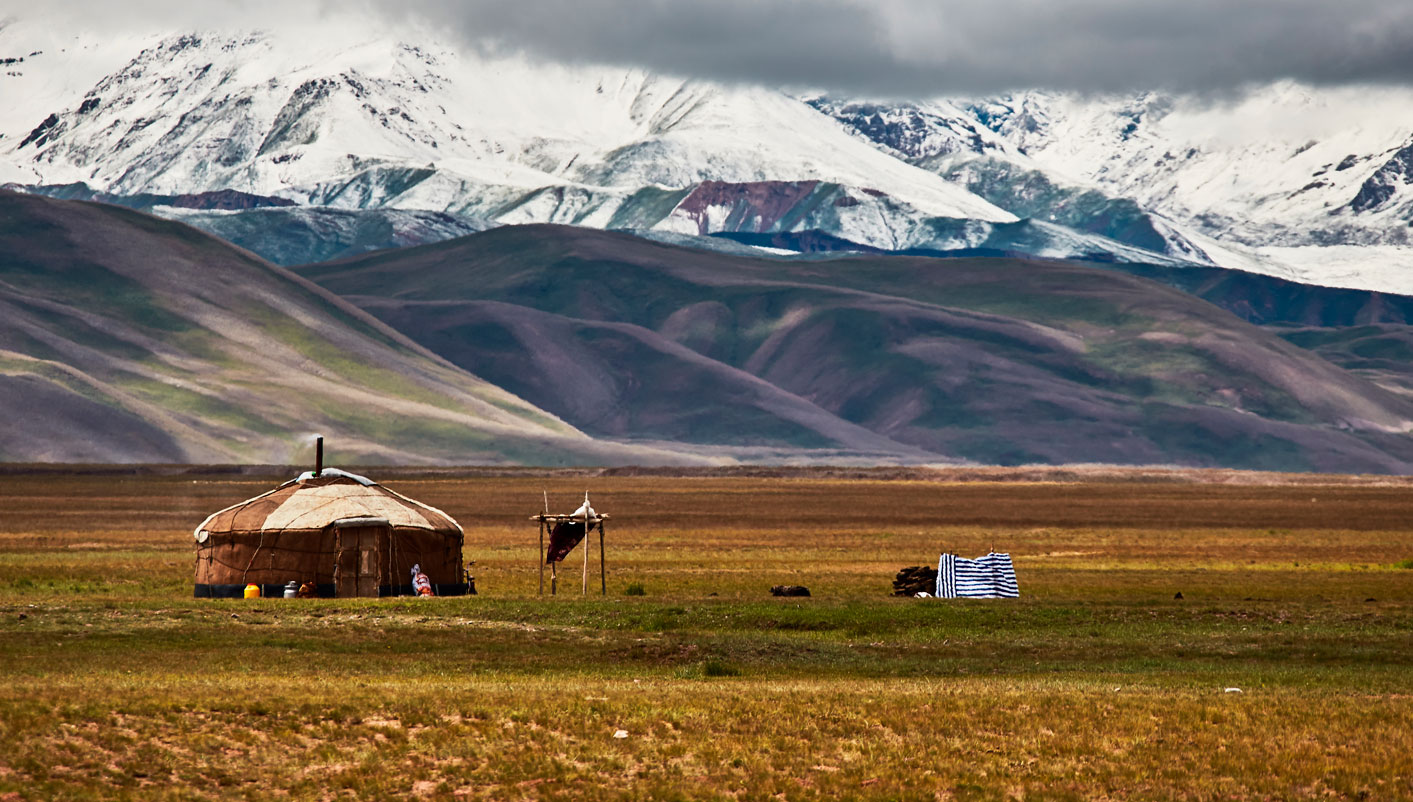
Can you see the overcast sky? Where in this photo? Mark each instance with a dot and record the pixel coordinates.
(881, 47)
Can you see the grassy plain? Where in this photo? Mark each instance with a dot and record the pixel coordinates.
(1097, 684)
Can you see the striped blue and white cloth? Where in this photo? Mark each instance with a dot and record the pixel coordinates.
(989, 577)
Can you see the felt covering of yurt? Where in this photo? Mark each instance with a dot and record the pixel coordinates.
(345, 534)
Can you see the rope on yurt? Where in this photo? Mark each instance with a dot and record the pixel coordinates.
(258, 546)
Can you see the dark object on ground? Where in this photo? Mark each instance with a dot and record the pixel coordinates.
(789, 590)
(914, 580)
(1177, 595)
(637, 589)
(716, 668)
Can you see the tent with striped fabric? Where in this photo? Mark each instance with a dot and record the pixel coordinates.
(343, 533)
(989, 577)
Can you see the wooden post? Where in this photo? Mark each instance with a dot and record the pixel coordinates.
(542, 556)
(585, 591)
(554, 579)
(603, 573)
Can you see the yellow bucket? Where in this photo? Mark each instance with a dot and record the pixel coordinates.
(252, 591)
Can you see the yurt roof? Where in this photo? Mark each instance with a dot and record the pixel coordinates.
(310, 503)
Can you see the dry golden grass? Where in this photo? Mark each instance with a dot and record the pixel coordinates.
(1096, 684)
(493, 739)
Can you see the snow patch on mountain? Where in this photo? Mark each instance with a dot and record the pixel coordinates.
(1365, 267)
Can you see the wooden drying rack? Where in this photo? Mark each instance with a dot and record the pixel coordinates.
(546, 520)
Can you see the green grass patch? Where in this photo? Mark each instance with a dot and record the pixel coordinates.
(209, 406)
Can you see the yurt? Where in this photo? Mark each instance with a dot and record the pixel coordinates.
(343, 533)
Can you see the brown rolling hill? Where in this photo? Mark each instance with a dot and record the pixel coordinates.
(125, 338)
(994, 360)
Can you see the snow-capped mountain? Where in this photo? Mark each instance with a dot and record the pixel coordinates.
(1285, 180)
(377, 123)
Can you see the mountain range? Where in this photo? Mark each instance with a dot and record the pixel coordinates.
(216, 242)
(1287, 180)
(992, 360)
(126, 338)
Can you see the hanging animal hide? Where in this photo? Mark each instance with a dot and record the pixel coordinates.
(563, 538)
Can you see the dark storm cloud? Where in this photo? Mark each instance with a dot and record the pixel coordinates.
(898, 47)
(958, 46)
(789, 42)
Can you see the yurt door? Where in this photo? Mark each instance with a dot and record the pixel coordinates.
(356, 572)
